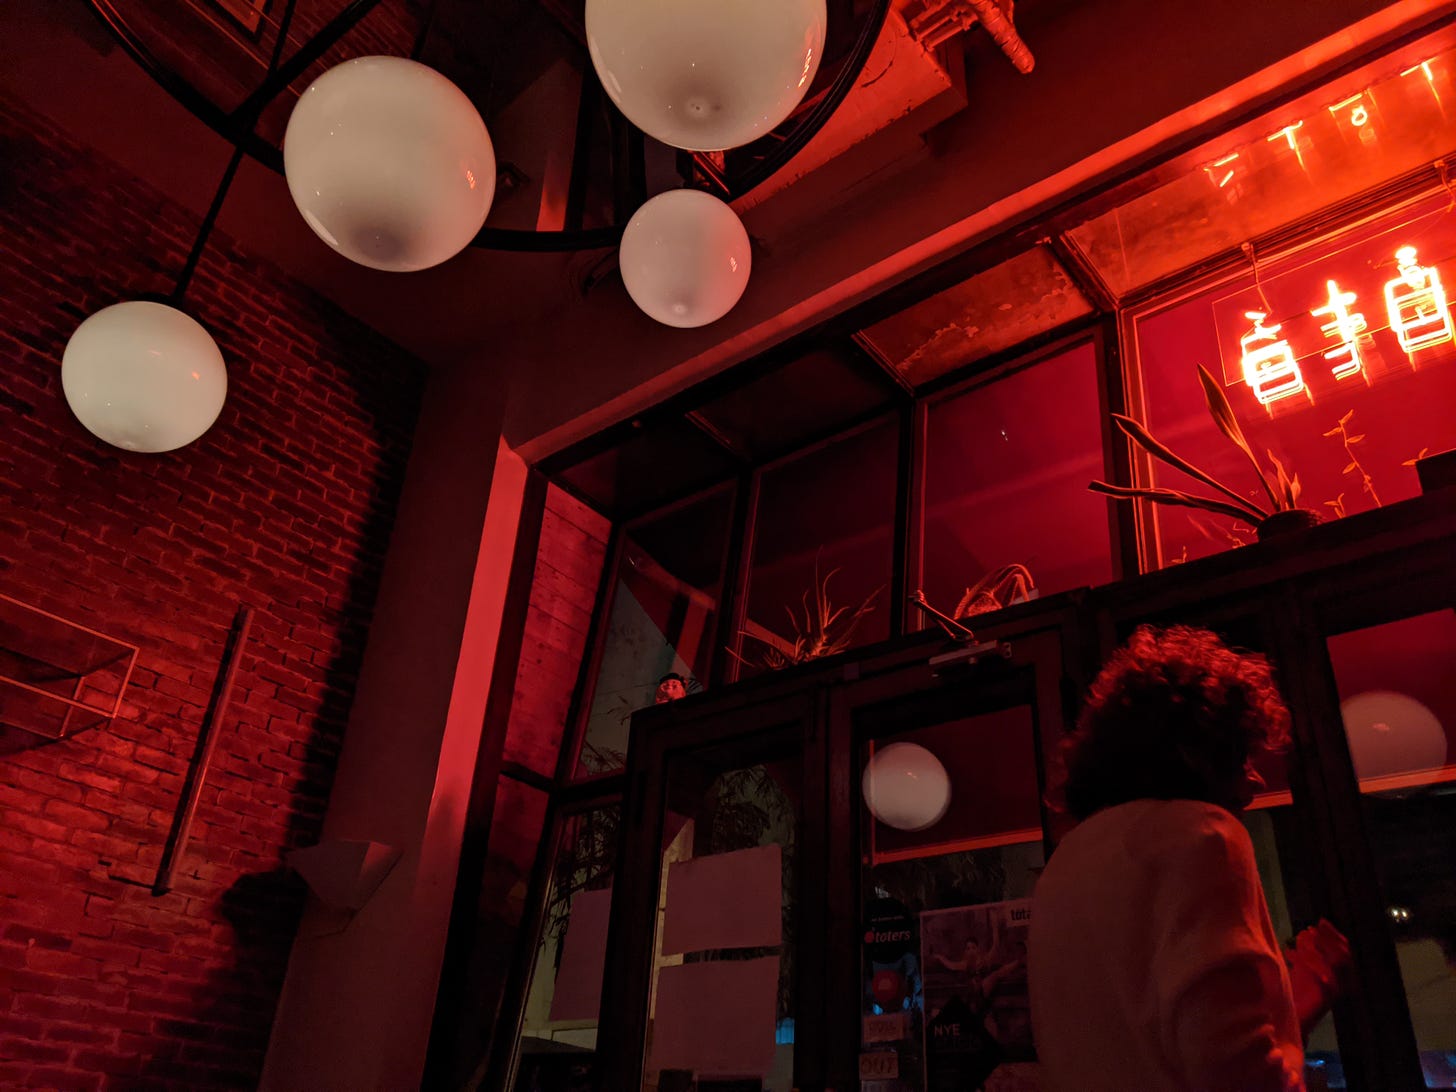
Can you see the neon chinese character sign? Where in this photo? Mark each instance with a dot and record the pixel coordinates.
(1269, 366)
(1417, 305)
(1346, 326)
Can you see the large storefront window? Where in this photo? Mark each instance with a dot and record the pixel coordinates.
(663, 621)
(819, 577)
(1339, 362)
(1006, 471)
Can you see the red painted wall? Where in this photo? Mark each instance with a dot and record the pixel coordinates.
(286, 504)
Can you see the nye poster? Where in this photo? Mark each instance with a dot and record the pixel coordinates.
(977, 1014)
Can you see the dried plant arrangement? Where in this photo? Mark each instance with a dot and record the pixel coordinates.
(824, 629)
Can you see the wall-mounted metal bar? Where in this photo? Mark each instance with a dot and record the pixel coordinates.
(217, 709)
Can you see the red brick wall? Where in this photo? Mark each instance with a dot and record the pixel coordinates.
(286, 504)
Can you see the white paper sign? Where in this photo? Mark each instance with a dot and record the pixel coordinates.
(578, 994)
(889, 1027)
(717, 1019)
(727, 900)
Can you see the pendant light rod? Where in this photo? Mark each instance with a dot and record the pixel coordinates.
(248, 123)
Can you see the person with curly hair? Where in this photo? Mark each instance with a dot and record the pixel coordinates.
(1153, 964)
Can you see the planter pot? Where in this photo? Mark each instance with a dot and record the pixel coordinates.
(1286, 523)
(1437, 471)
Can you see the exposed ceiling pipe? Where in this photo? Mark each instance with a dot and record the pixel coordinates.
(934, 22)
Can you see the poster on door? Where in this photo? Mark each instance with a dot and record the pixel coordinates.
(977, 1013)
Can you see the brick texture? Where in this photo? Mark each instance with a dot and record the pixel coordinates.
(285, 504)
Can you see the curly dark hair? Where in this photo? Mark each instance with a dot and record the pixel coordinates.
(1175, 714)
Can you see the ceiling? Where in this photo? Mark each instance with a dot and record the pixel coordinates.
(935, 149)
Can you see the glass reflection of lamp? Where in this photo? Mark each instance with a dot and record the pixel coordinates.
(685, 258)
(389, 163)
(705, 75)
(1391, 733)
(906, 787)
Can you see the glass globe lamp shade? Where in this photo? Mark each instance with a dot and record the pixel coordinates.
(389, 163)
(1392, 733)
(143, 376)
(685, 258)
(906, 787)
(705, 75)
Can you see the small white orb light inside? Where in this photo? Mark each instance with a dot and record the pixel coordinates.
(389, 163)
(906, 787)
(685, 258)
(1391, 733)
(143, 376)
(705, 75)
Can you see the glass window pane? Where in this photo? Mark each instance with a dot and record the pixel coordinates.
(822, 542)
(1364, 129)
(663, 621)
(1398, 700)
(559, 1027)
(1006, 472)
(725, 947)
(1002, 307)
(945, 910)
(569, 567)
(1348, 415)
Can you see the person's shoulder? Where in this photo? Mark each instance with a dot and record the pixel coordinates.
(1185, 827)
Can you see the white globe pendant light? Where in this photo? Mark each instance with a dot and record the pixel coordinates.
(705, 75)
(1391, 733)
(685, 258)
(143, 376)
(389, 163)
(906, 787)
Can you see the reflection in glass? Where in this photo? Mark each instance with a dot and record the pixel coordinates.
(663, 620)
(1006, 472)
(822, 544)
(1392, 117)
(559, 1026)
(724, 951)
(945, 912)
(1398, 698)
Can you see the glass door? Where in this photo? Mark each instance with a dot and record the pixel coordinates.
(944, 817)
(1387, 638)
(713, 968)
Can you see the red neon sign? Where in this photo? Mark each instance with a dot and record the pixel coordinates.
(1270, 369)
(1416, 302)
(1347, 326)
(1303, 349)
